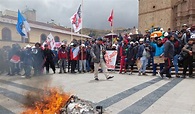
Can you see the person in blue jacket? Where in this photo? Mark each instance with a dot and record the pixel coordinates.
(159, 49)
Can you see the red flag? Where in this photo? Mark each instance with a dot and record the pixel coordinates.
(110, 19)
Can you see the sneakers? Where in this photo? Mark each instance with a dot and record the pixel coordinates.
(183, 76)
(110, 77)
(145, 74)
(139, 74)
(96, 79)
(160, 75)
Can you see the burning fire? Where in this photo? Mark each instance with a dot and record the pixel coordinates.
(49, 101)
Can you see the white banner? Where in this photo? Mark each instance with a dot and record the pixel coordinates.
(110, 58)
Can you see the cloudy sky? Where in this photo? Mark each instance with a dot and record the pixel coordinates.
(95, 12)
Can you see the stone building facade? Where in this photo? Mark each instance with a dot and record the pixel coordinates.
(39, 31)
(166, 14)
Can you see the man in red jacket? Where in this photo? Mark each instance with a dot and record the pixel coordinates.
(82, 59)
(123, 54)
(62, 55)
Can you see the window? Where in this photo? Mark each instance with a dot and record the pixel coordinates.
(43, 38)
(6, 34)
(57, 39)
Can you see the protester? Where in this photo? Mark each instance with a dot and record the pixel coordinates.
(49, 56)
(188, 60)
(131, 56)
(168, 57)
(123, 49)
(97, 52)
(28, 61)
(143, 55)
(39, 59)
(159, 50)
(62, 56)
(73, 56)
(82, 58)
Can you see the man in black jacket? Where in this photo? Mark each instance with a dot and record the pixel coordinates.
(168, 56)
(48, 54)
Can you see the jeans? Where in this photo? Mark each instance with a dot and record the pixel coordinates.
(144, 62)
(155, 65)
(27, 69)
(63, 64)
(175, 63)
(82, 65)
(88, 65)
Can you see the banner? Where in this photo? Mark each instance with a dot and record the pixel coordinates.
(110, 58)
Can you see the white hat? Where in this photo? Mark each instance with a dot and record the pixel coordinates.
(71, 44)
(193, 36)
(114, 45)
(141, 40)
(131, 42)
(28, 46)
(161, 29)
(62, 43)
(83, 45)
(166, 34)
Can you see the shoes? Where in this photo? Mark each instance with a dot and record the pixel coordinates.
(110, 77)
(177, 76)
(96, 79)
(160, 75)
(60, 72)
(145, 74)
(167, 77)
(191, 76)
(183, 76)
(153, 74)
(139, 74)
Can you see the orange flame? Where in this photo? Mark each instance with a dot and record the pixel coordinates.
(48, 102)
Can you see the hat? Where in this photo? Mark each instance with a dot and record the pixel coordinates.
(62, 44)
(100, 39)
(114, 45)
(141, 40)
(131, 42)
(72, 44)
(159, 39)
(46, 45)
(192, 36)
(147, 41)
(28, 46)
(184, 25)
(137, 42)
(38, 44)
(166, 34)
(82, 45)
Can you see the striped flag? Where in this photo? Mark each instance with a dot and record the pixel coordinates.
(22, 25)
(76, 20)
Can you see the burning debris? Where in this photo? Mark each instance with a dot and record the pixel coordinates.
(79, 106)
(53, 101)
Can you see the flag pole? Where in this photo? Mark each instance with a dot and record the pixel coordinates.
(71, 37)
(82, 29)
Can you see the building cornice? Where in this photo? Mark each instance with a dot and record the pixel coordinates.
(36, 26)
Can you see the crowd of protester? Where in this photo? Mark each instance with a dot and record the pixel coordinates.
(175, 47)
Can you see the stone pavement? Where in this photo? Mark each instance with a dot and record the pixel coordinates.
(124, 94)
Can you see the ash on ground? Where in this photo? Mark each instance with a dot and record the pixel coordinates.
(79, 106)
